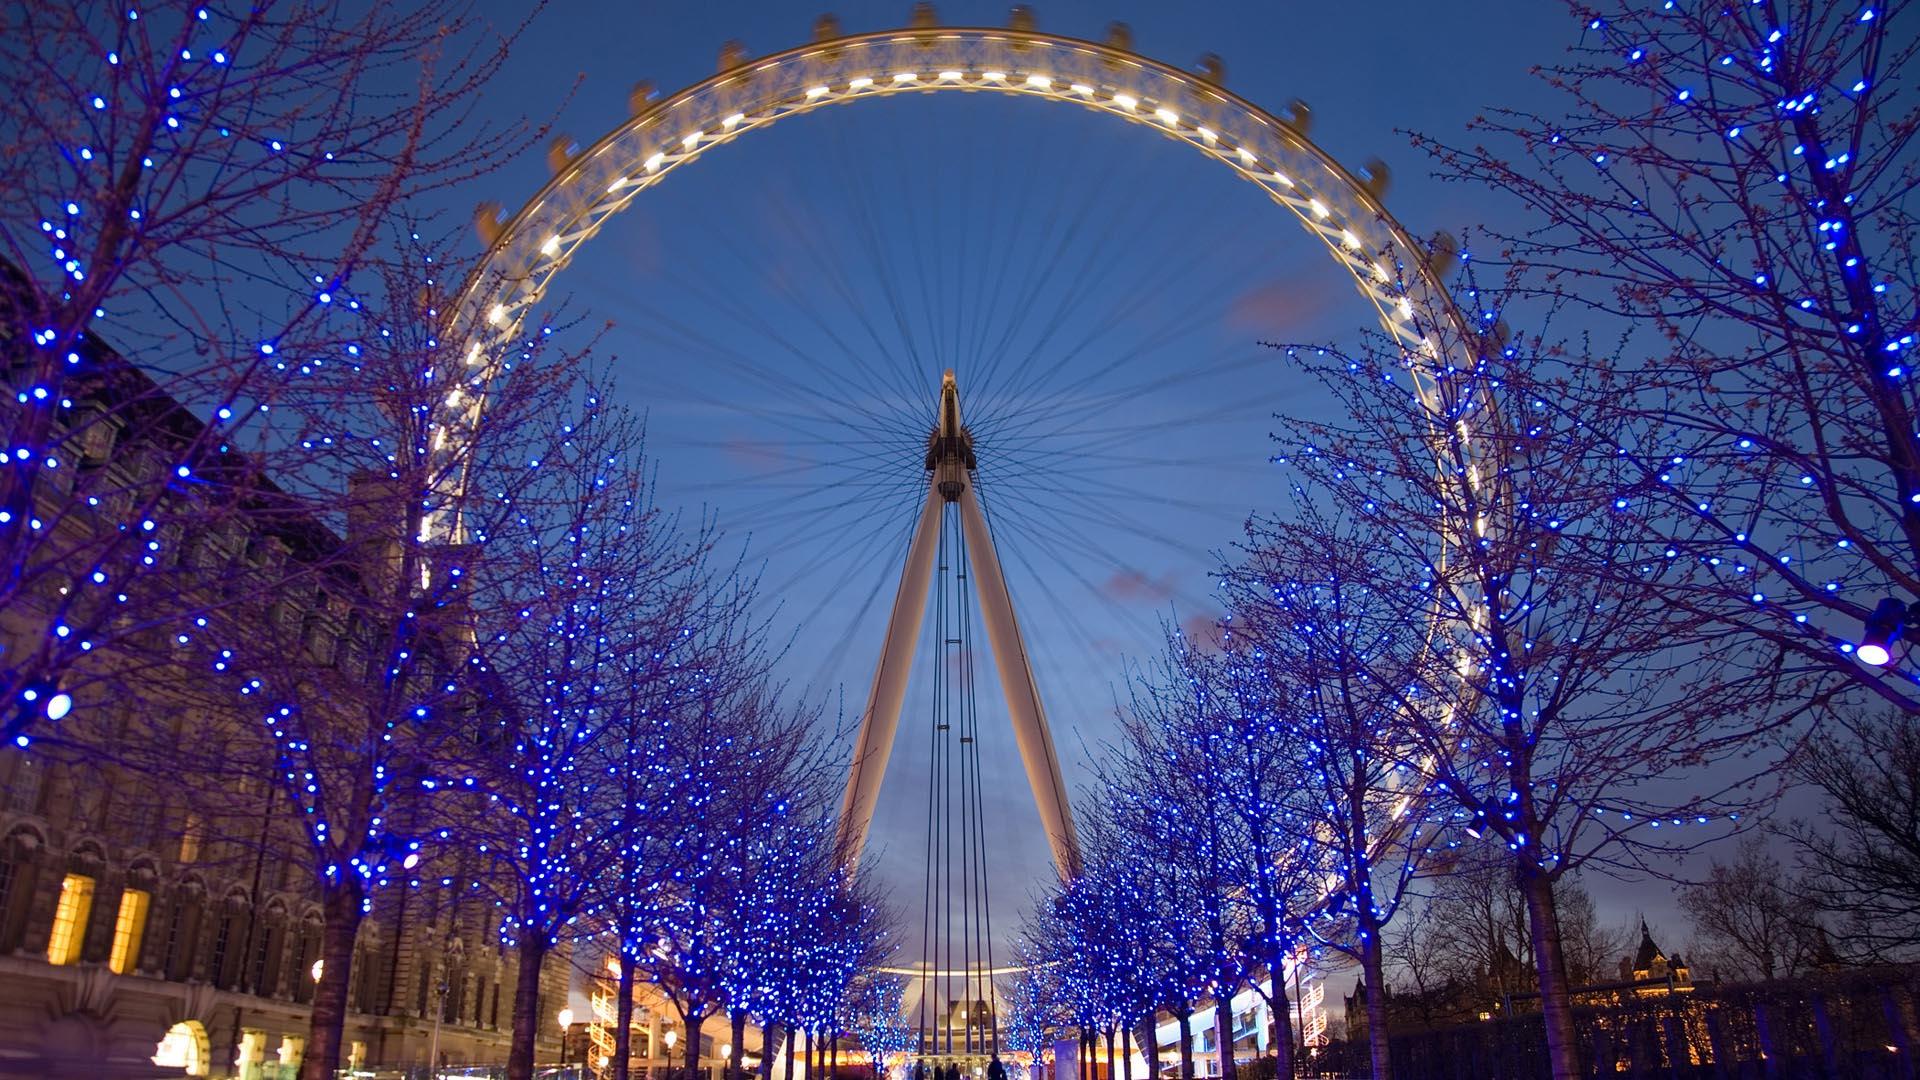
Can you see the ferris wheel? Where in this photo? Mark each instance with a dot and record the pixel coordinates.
(803, 353)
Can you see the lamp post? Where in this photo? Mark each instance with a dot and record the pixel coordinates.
(439, 1014)
(566, 1025)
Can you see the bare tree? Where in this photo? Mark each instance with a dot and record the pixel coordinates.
(801, 936)
(742, 762)
(1115, 942)
(1192, 733)
(202, 186)
(709, 636)
(877, 1015)
(1508, 526)
(1484, 924)
(1592, 948)
(580, 614)
(1033, 1019)
(1338, 653)
(364, 689)
(1747, 922)
(1731, 186)
(1467, 939)
(1861, 861)
(1257, 778)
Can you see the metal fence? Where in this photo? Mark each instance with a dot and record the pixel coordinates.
(475, 1072)
(1852, 1024)
(542, 1072)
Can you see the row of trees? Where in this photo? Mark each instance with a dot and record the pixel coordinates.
(284, 546)
(1840, 887)
(1575, 599)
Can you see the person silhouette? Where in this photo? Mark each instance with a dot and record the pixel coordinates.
(995, 1070)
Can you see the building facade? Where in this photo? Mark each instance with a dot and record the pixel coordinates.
(130, 945)
(143, 935)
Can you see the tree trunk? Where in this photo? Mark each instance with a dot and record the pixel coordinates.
(328, 1017)
(1126, 1053)
(771, 1036)
(1108, 1034)
(1281, 1006)
(526, 1009)
(1223, 1032)
(1543, 922)
(833, 1053)
(736, 1058)
(623, 1021)
(793, 1035)
(1373, 975)
(1186, 1042)
(695, 1019)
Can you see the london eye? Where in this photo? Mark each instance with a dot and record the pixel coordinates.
(1097, 309)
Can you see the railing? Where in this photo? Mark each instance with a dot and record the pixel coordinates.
(465, 1072)
(601, 1029)
(1852, 1024)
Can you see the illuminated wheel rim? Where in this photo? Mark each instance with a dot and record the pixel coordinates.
(593, 185)
(1396, 274)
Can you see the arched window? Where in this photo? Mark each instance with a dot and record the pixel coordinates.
(68, 937)
(129, 929)
(229, 941)
(19, 874)
(183, 929)
(24, 779)
(309, 954)
(367, 975)
(270, 941)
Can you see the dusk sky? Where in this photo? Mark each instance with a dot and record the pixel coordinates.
(782, 310)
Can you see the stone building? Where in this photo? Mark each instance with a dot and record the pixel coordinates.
(139, 938)
(1651, 966)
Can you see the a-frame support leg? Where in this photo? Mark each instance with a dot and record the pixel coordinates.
(882, 715)
(950, 469)
(1023, 693)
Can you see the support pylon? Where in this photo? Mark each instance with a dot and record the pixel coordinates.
(950, 480)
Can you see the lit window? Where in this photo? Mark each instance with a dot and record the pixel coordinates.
(70, 919)
(127, 930)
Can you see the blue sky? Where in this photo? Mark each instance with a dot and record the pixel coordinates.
(782, 309)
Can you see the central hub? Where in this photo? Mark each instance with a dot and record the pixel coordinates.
(950, 457)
